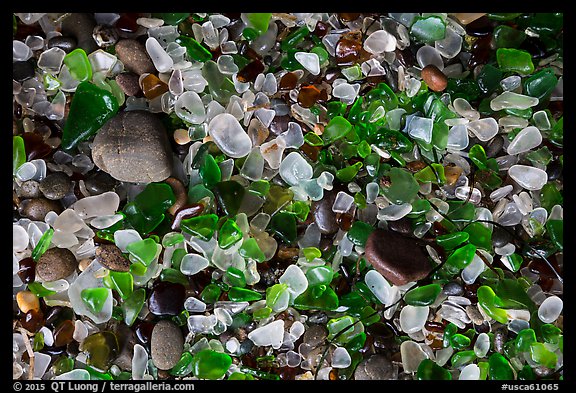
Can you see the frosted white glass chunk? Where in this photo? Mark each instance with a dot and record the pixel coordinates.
(529, 177)
(342, 203)
(310, 61)
(294, 168)
(427, 55)
(271, 334)
(380, 41)
(413, 318)
(527, 139)
(511, 100)
(484, 129)
(229, 135)
(341, 358)
(550, 309)
(379, 286)
(161, 60)
(193, 263)
(470, 373)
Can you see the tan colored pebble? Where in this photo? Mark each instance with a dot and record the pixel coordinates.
(434, 78)
(181, 136)
(83, 264)
(27, 301)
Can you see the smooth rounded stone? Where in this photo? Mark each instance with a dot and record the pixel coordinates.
(80, 26)
(28, 189)
(413, 318)
(271, 334)
(67, 44)
(229, 136)
(128, 83)
(55, 186)
(133, 147)
(398, 258)
(134, 56)
(412, 354)
(484, 129)
(167, 344)
(323, 215)
(315, 335)
(376, 367)
(22, 70)
(37, 208)
(452, 288)
(527, 139)
(470, 373)
(55, 264)
(529, 177)
(494, 146)
(428, 55)
(110, 256)
(99, 182)
(550, 309)
(166, 298)
(380, 41)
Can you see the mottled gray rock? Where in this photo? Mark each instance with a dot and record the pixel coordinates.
(133, 147)
(376, 367)
(167, 344)
(112, 258)
(128, 82)
(56, 186)
(28, 189)
(37, 208)
(134, 56)
(55, 264)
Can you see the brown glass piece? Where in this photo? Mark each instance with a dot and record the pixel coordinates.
(480, 27)
(288, 81)
(187, 211)
(321, 29)
(63, 333)
(34, 146)
(32, 320)
(166, 299)
(344, 221)
(27, 270)
(348, 16)
(480, 52)
(250, 71)
(153, 87)
(144, 332)
(347, 51)
(127, 22)
(280, 124)
(308, 96)
(310, 151)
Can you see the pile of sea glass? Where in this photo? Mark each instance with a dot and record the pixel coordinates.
(264, 196)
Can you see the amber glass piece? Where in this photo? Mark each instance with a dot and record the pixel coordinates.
(250, 71)
(32, 320)
(288, 81)
(308, 96)
(63, 333)
(347, 51)
(153, 87)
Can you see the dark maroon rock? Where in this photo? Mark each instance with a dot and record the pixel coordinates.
(398, 258)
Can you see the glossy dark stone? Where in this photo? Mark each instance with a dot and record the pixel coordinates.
(81, 25)
(398, 258)
(99, 182)
(452, 288)
(480, 27)
(481, 51)
(500, 237)
(67, 44)
(134, 56)
(403, 226)
(32, 320)
(167, 299)
(22, 70)
(126, 341)
(323, 215)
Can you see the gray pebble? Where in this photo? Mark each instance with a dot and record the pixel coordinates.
(100, 182)
(167, 344)
(134, 56)
(494, 146)
(376, 367)
(112, 258)
(81, 25)
(55, 264)
(474, 314)
(128, 82)
(37, 208)
(315, 335)
(56, 186)
(452, 288)
(133, 147)
(500, 237)
(67, 44)
(28, 189)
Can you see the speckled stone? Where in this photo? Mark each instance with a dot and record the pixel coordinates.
(133, 147)
(167, 344)
(376, 367)
(36, 209)
(55, 264)
(128, 82)
(134, 56)
(56, 186)
(110, 256)
(28, 189)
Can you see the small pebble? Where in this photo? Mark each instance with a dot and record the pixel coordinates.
(181, 136)
(80, 26)
(22, 70)
(112, 258)
(434, 78)
(452, 288)
(37, 208)
(67, 44)
(128, 82)
(55, 186)
(99, 182)
(55, 264)
(28, 189)
(27, 301)
(167, 344)
(134, 56)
